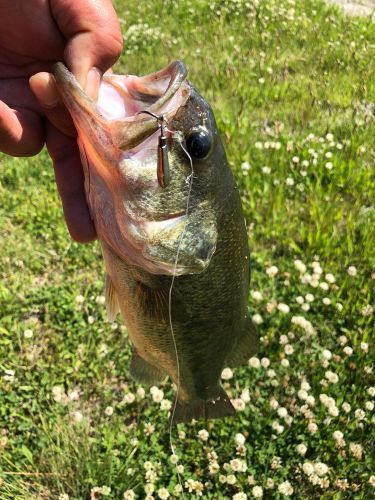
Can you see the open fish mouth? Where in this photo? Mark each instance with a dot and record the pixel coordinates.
(122, 98)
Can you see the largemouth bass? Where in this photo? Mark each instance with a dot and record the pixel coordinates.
(191, 232)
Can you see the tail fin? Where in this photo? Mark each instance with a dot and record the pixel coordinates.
(218, 406)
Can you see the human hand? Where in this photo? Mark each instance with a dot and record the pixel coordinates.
(86, 35)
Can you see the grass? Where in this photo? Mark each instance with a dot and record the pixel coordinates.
(292, 86)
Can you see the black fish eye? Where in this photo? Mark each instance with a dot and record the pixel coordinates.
(198, 144)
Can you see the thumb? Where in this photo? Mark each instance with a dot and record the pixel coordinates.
(93, 36)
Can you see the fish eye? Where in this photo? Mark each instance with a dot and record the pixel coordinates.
(198, 144)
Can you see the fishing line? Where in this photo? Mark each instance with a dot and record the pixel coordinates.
(189, 181)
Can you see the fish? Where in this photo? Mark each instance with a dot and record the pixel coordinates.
(176, 254)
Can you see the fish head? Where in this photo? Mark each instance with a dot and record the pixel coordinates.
(163, 230)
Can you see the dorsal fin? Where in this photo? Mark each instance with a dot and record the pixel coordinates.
(111, 300)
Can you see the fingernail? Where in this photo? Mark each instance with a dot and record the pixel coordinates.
(43, 85)
(92, 83)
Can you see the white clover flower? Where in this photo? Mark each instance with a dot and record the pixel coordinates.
(328, 154)
(283, 339)
(28, 333)
(77, 416)
(305, 307)
(364, 346)
(321, 469)
(226, 374)
(346, 407)
(271, 373)
(265, 362)
(282, 412)
(339, 306)
(309, 297)
(300, 300)
(308, 468)
(288, 349)
(238, 465)
(326, 301)
(257, 492)
(272, 271)
(367, 310)
(289, 181)
(329, 165)
(285, 488)
(141, 393)
(343, 340)
(129, 398)
(356, 450)
(231, 479)
(240, 439)
(301, 449)
(213, 468)
(332, 377)
(348, 350)
(108, 411)
(302, 394)
(270, 483)
(165, 405)
(310, 400)
(157, 395)
(338, 436)
(90, 320)
(254, 362)
(238, 404)
(100, 300)
(330, 278)
(250, 480)
(257, 295)
(239, 496)
(285, 363)
(129, 495)
(245, 166)
(203, 435)
(371, 481)
(149, 488)
(163, 493)
(300, 266)
(273, 404)
(284, 308)
(245, 395)
(360, 414)
(369, 405)
(180, 469)
(80, 299)
(257, 319)
(295, 159)
(326, 354)
(352, 271)
(312, 428)
(266, 170)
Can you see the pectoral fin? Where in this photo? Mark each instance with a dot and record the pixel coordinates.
(111, 300)
(246, 346)
(142, 371)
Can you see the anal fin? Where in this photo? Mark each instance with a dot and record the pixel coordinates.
(111, 300)
(247, 345)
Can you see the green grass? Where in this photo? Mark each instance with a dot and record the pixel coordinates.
(275, 72)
